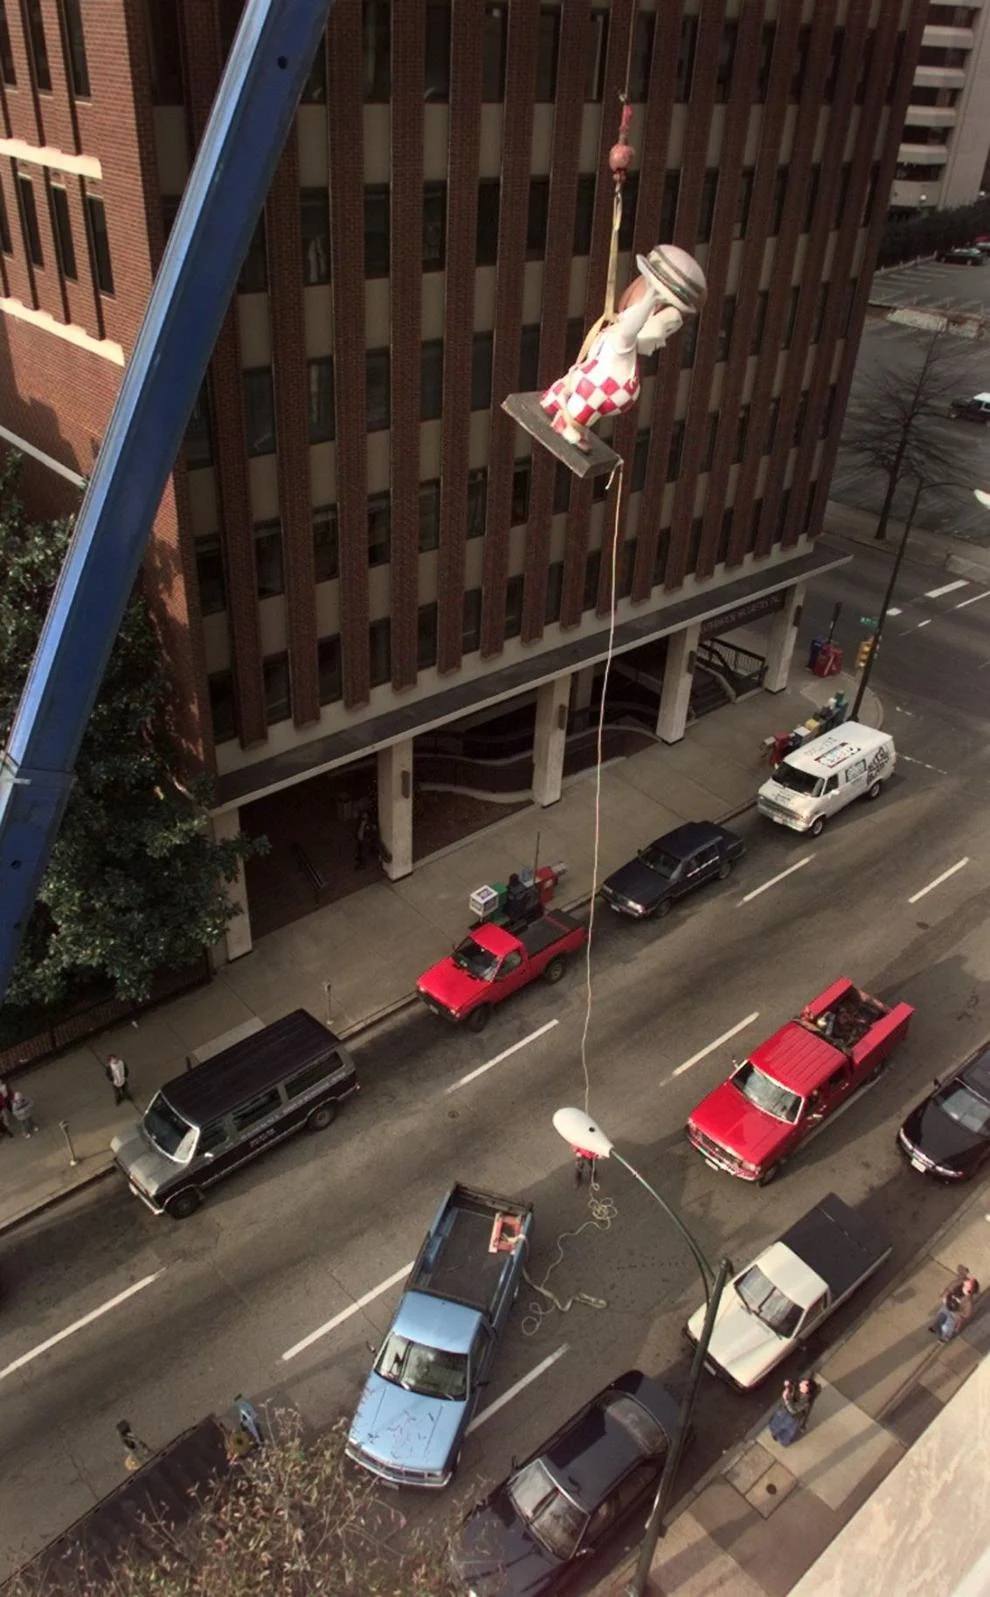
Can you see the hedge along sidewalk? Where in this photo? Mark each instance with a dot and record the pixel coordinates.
(371, 946)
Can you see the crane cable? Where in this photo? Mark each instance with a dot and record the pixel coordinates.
(619, 160)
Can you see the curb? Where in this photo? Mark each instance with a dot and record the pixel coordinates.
(55, 1198)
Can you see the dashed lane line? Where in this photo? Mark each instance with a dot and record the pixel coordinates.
(345, 1314)
(948, 587)
(974, 600)
(472, 1075)
(775, 879)
(958, 866)
(77, 1325)
(519, 1386)
(710, 1049)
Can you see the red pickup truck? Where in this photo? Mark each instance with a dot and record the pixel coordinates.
(492, 963)
(793, 1083)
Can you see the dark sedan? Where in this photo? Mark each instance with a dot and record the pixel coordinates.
(962, 255)
(564, 1501)
(671, 866)
(949, 1134)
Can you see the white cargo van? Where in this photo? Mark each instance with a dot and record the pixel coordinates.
(827, 773)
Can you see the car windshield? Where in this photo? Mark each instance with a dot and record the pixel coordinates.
(552, 1517)
(767, 1302)
(646, 1432)
(477, 961)
(659, 860)
(965, 1108)
(766, 1093)
(431, 1371)
(171, 1135)
(797, 781)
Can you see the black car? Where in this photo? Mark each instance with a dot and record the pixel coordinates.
(671, 866)
(962, 255)
(949, 1134)
(565, 1500)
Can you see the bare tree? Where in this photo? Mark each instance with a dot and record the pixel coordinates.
(896, 424)
(292, 1517)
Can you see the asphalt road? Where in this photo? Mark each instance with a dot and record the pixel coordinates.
(886, 345)
(299, 1237)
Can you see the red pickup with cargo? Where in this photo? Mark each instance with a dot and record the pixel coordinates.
(796, 1081)
(492, 963)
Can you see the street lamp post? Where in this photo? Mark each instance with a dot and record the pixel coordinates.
(580, 1131)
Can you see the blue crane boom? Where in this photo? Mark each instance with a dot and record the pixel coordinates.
(268, 65)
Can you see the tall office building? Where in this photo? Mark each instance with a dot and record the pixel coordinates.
(357, 545)
(945, 145)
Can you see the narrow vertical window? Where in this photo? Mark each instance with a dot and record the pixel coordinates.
(437, 62)
(76, 52)
(62, 228)
(29, 220)
(642, 57)
(493, 53)
(377, 50)
(315, 220)
(102, 268)
(685, 58)
(6, 53)
(547, 47)
(594, 86)
(726, 62)
(165, 51)
(5, 241)
(38, 45)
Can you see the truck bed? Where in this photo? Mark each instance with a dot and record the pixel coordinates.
(455, 1262)
(837, 1243)
(550, 928)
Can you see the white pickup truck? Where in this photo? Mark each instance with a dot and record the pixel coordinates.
(789, 1290)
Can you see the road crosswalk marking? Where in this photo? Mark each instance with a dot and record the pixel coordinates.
(950, 587)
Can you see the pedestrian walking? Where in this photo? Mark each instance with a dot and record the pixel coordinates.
(22, 1110)
(135, 1451)
(6, 1120)
(956, 1308)
(117, 1074)
(249, 1418)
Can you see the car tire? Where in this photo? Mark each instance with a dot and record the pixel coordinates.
(817, 826)
(478, 1018)
(322, 1117)
(662, 909)
(874, 791)
(555, 969)
(770, 1174)
(183, 1204)
(725, 870)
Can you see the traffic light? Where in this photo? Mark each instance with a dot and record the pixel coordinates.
(863, 653)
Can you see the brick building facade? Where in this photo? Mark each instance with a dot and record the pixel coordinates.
(357, 543)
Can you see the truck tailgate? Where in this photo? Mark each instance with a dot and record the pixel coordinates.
(883, 1034)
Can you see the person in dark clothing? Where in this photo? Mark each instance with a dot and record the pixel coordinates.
(362, 839)
(956, 1308)
(789, 1419)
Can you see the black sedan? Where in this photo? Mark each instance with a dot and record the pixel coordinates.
(671, 866)
(961, 255)
(949, 1134)
(563, 1502)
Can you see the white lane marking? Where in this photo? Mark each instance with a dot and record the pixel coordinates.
(892, 610)
(925, 767)
(939, 880)
(922, 624)
(472, 1075)
(950, 587)
(775, 879)
(345, 1314)
(77, 1325)
(704, 1052)
(500, 1402)
(964, 602)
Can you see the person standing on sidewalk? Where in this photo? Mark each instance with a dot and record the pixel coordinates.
(956, 1308)
(790, 1418)
(117, 1074)
(22, 1109)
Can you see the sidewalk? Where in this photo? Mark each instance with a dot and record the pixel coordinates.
(819, 1517)
(960, 557)
(372, 945)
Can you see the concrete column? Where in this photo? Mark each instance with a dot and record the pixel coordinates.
(677, 677)
(395, 771)
(552, 700)
(783, 636)
(237, 940)
(582, 683)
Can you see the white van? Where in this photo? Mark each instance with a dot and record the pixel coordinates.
(827, 773)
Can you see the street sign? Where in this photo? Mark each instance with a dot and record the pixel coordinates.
(868, 621)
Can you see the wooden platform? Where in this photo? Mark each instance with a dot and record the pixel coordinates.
(526, 410)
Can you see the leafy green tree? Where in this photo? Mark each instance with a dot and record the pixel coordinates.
(135, 883)
(291, 1519)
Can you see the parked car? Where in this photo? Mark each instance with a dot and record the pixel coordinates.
(948, 1135)
(577, 1490)
(670, 867)
(975, 409)
(208, 1122)
(795, 1082)
(961, 255)
(493, 963)
(825, 774)
(789, 1291)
